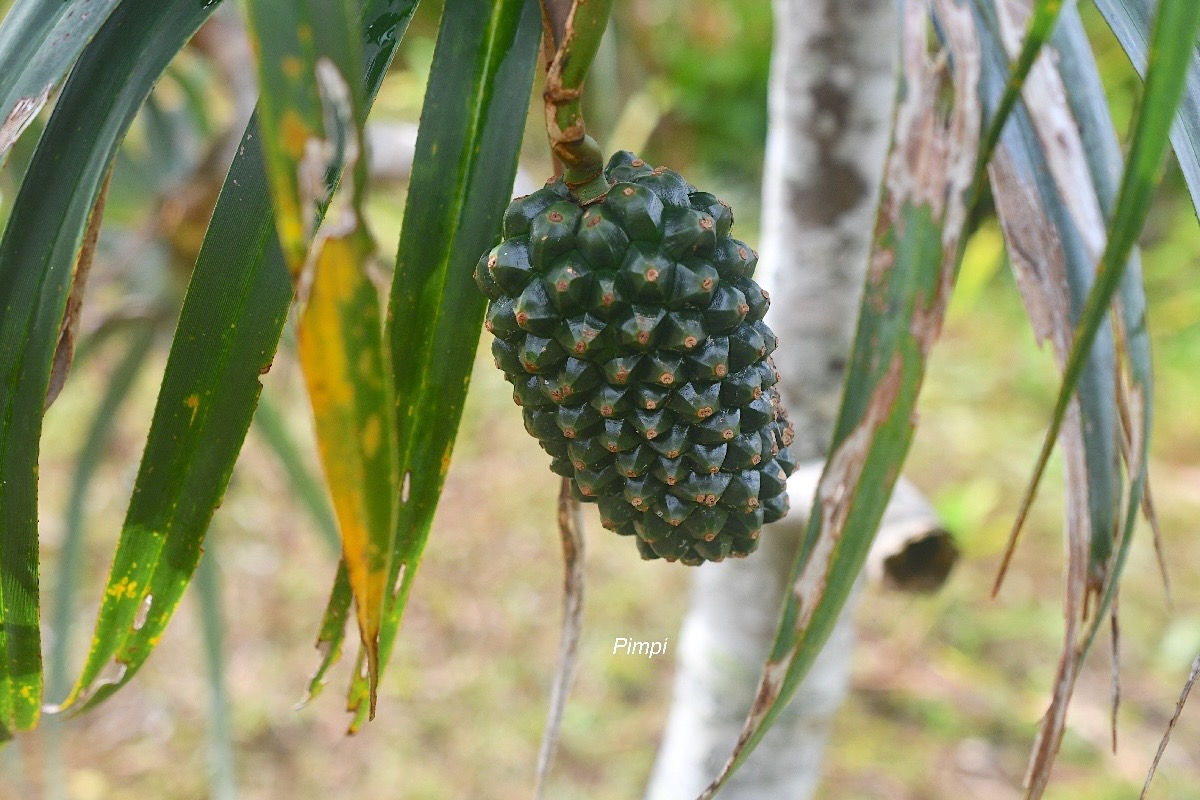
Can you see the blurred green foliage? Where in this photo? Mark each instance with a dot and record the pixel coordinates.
(709, 59)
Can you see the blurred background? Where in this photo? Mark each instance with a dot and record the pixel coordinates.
(947, 689)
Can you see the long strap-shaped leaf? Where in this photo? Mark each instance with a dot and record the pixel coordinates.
(228, 331)
(312, 123)
(1174, 39)
(466, 159)
(39, 41)
(1054, 230)
(37, 261)
(1105, 161)
(64, 612)
(1052, 185)
(1130, 21)
(290, 37)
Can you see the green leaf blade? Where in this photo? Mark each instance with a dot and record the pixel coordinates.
(39, 41)
(208, 395)
(37, 262)
(1130, 21)
(227, 335)
(86, 464)
(313, 124)
(463, 171)
(1175, 32)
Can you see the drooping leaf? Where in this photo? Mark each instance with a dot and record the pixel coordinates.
(466, 158)
(1105, 164)
(290, 38)
(1175, 31)
(1051, 209)
(1130, 21)
(332, 636)
(39, 41)
(341, 353)
(228, 331)
(63, 613)
(37, 260)
(1054, 230)
(226, 337)
(312, 122)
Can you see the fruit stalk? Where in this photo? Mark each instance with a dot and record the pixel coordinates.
(572, 30)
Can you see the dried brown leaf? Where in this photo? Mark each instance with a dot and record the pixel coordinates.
(1162, 746)
(64, 352)
(23, 112)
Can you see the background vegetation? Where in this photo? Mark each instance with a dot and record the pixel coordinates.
(947, 690)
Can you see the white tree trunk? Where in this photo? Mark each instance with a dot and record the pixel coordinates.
(832, 86)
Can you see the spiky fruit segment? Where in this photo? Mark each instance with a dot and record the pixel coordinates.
(631, 330)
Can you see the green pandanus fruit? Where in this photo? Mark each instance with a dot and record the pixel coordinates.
(633, 335)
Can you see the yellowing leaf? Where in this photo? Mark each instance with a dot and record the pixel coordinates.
(341, 354)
